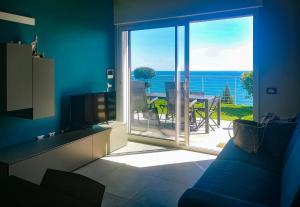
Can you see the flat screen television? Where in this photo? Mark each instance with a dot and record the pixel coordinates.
(92, 108)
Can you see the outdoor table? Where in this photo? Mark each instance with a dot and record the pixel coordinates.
(206, 99)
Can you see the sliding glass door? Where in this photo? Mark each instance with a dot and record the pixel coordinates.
(188, 81)
(152, 70)
(221, 78)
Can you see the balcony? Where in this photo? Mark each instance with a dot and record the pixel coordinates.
(235, 104)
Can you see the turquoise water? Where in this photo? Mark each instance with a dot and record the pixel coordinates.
(209, 82)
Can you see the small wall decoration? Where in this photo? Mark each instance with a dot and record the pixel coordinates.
(34, 45)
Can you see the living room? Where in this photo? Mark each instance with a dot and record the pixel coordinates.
(79, 56)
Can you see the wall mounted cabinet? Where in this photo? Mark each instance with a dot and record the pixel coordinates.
(43, 88)
(27, 83)
(16, 76)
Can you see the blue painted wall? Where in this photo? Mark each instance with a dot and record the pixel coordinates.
(79, 36)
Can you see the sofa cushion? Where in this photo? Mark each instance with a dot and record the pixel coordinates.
(276, 138)
(259, 159)
(195, 197)
(291, 171)
(293, 139)
(242, 181)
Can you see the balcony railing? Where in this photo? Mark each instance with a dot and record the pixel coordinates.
(210, 85)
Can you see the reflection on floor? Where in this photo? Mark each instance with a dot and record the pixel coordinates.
(143, 175)
(213, 141)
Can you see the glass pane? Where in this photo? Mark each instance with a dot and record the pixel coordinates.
(221, 56)
(153, 82)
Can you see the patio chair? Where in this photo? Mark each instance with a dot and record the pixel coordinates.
(211, 110)
(170, 88)
(164, 106)
(139, 103)
(194, 117)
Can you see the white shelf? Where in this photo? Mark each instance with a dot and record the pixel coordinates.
(17, 18)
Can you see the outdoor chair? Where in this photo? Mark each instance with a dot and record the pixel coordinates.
(169, 106)
(193, 115)
(213, 107)
(170, 89)
(140, 104)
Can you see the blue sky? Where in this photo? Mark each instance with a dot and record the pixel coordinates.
(218, 45)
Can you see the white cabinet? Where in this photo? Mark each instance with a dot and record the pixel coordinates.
(26, 82)
(67, 151)
(118, 136)
(43, 88)
(101, 144)
(16, 76)
(67, 157)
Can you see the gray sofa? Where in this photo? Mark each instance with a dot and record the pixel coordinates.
(236, 178)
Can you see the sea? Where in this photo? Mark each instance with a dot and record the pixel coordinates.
(209, 82)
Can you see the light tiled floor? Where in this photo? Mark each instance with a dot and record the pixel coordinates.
(144, 175)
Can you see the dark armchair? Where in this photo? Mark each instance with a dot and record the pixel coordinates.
(58, 188)
(3, 170)
(74, 185)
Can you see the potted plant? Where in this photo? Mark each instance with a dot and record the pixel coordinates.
(144, 73)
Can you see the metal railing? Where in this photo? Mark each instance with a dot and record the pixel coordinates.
(210, 85)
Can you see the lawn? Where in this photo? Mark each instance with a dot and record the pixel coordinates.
(229, 112)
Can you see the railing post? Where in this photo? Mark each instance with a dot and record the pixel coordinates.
(235, 91)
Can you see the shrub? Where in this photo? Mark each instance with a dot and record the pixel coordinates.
(247, 83)
(144, 73)
(227, 98)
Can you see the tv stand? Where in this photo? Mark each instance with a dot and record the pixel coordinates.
(68, 151)
(119, 134)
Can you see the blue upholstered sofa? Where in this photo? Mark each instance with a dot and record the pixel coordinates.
(238, 179)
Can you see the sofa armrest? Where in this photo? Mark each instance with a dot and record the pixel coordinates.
(74, 185)
(196, 197)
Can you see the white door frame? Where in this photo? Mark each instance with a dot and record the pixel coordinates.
(123, 93)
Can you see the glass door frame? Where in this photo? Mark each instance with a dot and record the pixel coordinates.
(156, 26)
(185, 21)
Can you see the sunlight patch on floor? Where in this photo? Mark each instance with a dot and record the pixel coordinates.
(167, 157)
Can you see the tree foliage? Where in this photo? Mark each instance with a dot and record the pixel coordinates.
(227, 98)
(247, 82)
(145, 73)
